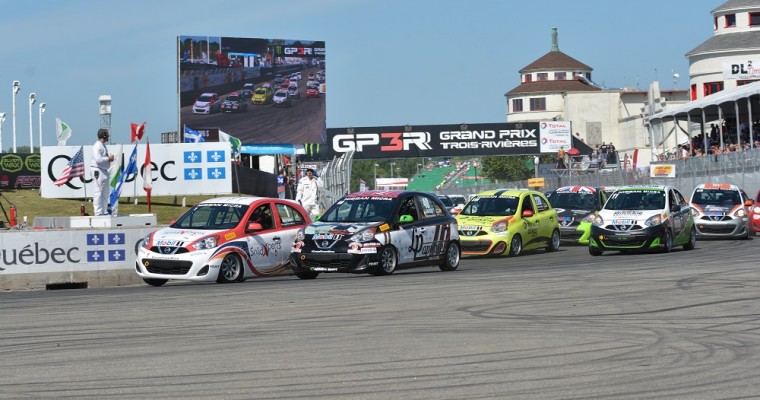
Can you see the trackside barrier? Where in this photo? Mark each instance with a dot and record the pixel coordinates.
(56, 258)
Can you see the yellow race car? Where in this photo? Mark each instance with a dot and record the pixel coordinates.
(506, 222)
(262, 95)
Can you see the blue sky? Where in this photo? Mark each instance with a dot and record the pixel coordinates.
(389, 62)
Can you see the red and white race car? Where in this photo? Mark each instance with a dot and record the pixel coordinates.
(225, 239)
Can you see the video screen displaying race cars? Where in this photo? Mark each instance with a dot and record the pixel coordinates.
(261, 91)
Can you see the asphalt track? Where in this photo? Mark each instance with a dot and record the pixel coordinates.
(562, 325)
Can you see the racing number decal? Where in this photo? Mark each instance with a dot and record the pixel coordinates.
(417, 241)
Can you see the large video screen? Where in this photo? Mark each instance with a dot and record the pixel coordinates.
(261, 91)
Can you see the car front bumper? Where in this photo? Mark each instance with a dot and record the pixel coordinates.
(639, 239)
(192, 266)
(333, 262)
(731, 228)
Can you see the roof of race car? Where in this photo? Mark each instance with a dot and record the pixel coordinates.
(377, 193)
(576, 189)
(724, 186)
(643, 187)
(505, 192)
(247, 200)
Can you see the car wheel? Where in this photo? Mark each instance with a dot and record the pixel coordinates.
(388, 261)
(155, 282)
(231, 269)
(451, 257)
(594, 251)
(515, 246)
(307, 274)
(667, 244)
(692, 243)
(554, 241)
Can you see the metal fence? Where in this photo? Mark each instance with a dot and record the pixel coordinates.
(336, 177)
(739, 168)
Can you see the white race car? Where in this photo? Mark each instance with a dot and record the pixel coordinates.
(226, 239)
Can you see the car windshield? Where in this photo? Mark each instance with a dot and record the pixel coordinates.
(261, 91)
(232, 98)
(446, 201)
(491, 206)
(362, 209)
(716, 197)
(572, 200)
(205, 98)
(636, 200)
(211, 216)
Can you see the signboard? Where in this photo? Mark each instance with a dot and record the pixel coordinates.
(662, 171)
(70, 250)
(215, 68)
(19, 171)
(536, 182)
(741, 69)
(556, 134)
(177, 169)
(496, 139)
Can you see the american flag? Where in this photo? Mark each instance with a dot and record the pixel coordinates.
(73, 169)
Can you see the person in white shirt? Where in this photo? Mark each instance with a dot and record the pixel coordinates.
(101, 160)
(308, 192)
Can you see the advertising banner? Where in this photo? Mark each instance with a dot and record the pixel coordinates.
(19, 171)
(177, 169)
(70, 250)
(527, 138)
(741, 69)
(556, 134)
(663, 171)
(254, 89)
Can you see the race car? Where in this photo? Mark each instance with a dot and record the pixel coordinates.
(262, 95)
(643, 218)
(720, 211)
(575, 206)
(207, 103)
(225, 239)
(378, 232)
(754, 215)
(281, 98)
(235, 102)
(506, 222)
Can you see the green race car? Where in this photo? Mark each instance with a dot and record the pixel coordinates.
(506, 222)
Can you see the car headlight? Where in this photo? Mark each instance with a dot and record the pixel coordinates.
(694, 212)
(498, 227)
(206, 243)
(654, 220)
(301, 235)
(589, 218)
(756, 209)
(740, 213)
(146, 241)
(363, 236)
(597, 220)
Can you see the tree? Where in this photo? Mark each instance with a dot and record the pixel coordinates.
(506, 168)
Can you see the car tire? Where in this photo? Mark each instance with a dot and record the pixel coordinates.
(667, 243)
(451, 257)
(155, 282)
(230, 270)
(387, 263)
(692, 243)
(594, 251)
(554, 241)
(515, 246)
(307, 274)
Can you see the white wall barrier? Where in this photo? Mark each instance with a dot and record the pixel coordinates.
(40, 259)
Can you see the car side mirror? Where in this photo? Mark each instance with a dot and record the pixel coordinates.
(405, 218)
(527, 213)
(172, 222)
(317, 218)
(254, 227)
(749, 203)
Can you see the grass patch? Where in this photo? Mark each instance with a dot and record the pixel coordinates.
(31, 204)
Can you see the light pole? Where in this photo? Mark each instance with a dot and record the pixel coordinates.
(393, 164)
(16, 89)
(2, 119)
(374, 167)
(42, 111)
(32, 99)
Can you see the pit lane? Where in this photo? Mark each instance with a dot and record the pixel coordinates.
(543, 325)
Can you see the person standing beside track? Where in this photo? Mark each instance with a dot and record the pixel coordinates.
(308, 192)
(101, 160)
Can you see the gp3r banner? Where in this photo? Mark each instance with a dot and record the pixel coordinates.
(440, 140)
